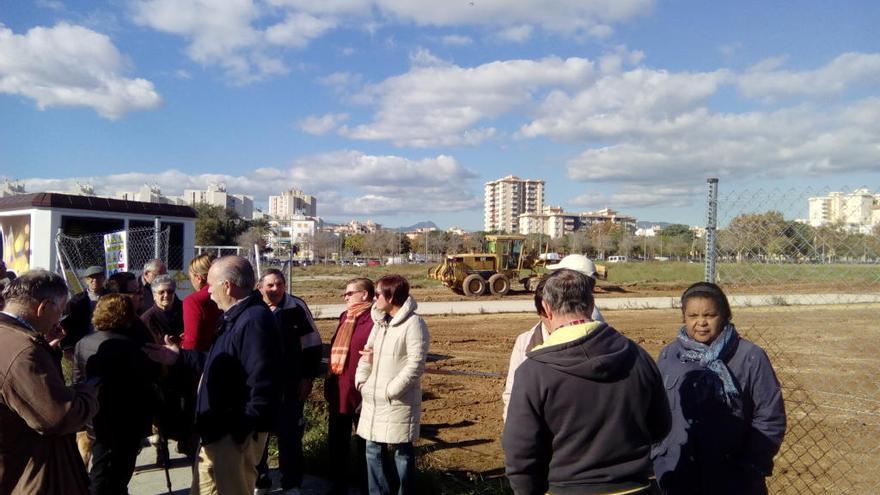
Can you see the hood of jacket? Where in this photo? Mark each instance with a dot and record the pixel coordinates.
(592, 350)
(408, 309)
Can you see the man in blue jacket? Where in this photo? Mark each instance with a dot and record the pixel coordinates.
(239, 391)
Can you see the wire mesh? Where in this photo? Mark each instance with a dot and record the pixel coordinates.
(81, 252)
(811, 259)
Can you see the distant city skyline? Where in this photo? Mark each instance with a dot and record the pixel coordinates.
(397, 114)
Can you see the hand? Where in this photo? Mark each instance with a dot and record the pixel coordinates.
(367, 355)
(305, 388)
(163, 354)
(55, 335)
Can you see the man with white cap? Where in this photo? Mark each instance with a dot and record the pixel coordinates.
(538, 333)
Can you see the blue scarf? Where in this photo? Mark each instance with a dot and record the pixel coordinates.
(711, 356)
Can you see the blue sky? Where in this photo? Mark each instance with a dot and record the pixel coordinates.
(400, 110)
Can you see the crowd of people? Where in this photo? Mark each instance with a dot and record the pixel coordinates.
(586, 410)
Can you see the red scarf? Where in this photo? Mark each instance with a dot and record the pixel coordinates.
(339, 350)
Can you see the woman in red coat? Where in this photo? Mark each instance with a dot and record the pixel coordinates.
(200, 313)
(343, 399)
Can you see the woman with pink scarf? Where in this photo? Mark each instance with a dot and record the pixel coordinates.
(343, 399)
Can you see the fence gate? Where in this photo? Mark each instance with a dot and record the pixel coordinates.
(808, 261)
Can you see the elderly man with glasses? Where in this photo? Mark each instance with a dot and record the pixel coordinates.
(39, 414)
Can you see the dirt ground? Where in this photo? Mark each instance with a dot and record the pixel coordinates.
(825, 356)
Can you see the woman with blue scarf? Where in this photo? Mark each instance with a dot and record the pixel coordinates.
(728, 418)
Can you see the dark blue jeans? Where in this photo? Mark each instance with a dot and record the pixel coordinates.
(378, 469)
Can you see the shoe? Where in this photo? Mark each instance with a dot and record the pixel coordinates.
(261, 491)
(292, 491)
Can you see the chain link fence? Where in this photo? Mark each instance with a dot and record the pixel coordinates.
(143, 244)
(809, 261)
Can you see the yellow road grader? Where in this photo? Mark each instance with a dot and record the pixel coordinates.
(493, 272)
(474, 274)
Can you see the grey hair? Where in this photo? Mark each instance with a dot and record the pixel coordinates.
(34, 286)
(161, 280)
(236, 270)
(569, 292)
(153, 265)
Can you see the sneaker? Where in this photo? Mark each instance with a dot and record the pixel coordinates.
(261, 491)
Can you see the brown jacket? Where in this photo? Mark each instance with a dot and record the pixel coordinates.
(39, 416)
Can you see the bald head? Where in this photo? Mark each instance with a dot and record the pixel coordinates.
(230, 279)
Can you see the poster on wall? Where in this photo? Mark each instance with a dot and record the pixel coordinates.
(15, 242)
(116, 252)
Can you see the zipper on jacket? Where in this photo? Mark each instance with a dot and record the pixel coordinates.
(376, 381)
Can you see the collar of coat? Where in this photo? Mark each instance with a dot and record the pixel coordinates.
(569, 333)
(408, 309)
(232, 313)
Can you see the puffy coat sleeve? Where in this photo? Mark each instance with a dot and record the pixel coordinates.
(517, 356)
(659, 414)
(417, 341)
(768, 418)
(365, 368)
(35, 390)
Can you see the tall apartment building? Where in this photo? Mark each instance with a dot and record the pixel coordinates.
(858, 211)
(216, 195)
(508, 198)
(291, 203)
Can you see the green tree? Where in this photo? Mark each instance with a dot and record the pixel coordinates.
(217, 226)
(751, 233)
(354, 244)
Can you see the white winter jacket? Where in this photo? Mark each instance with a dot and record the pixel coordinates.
(390, 385)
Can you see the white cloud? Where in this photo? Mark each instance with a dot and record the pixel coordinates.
(803, 140)
(516, 34)
(456, 40)
(562, 16)
(238, 35)
(423, 57)
(69, 65)
(322, 124)
(350, 183)
(766, 81)
(441, 105)
(298, 30)
(638, 102)
(638, 196)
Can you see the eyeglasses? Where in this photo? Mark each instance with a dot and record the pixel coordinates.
(351, 293)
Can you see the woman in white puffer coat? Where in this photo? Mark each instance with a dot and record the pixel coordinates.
(388, 377)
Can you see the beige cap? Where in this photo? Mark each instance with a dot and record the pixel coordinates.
(576, 262)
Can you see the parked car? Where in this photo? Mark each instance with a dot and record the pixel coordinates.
(617, 259)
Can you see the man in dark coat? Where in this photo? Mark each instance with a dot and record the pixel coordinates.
(239, 391)
(586, 404)
(152, 269)
(78, 322)
(302, 359)
(39, 414)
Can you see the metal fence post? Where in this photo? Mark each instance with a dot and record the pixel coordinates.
(711, 226)
(156, 242)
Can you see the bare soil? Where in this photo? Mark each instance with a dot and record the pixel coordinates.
(825, 357)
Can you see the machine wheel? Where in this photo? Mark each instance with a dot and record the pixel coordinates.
(473, 285)
(499, 284)
(531, 283)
